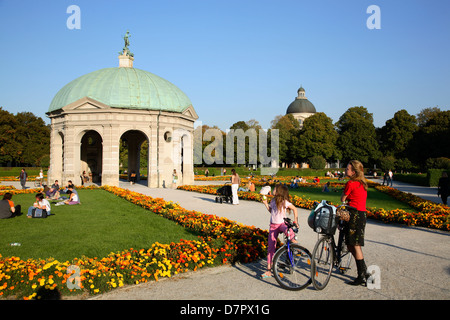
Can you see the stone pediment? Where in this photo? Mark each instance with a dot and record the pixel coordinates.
(85, 103)
(190, 112)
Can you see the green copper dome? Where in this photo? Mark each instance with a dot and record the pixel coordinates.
(127, 88)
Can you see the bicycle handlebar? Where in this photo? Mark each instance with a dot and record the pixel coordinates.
(290, 225)
(337, 207)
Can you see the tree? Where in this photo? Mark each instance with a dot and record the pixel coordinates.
(397, 133)
(357, 137)
(318, 138)
(33, 136)
(432, 138)
(317, 162)
(288, 129)
(426, 114)
(9, 147)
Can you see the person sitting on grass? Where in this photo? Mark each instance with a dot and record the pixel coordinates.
(326, 187)
(53, 192)
(74, 198)
(41, 203)
(7, 208)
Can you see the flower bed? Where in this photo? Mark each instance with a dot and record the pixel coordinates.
(430, 215)
(221, 241)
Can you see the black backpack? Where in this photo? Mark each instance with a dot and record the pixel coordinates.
(39, 213)
(322, 218)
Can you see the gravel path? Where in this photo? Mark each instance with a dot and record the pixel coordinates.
(414, 262)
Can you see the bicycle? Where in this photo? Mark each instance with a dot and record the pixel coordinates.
(291, 263)
(327, 254)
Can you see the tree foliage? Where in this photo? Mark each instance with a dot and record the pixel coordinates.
(432, 138)
(397, 133)
(357, 137)
(318, 138)
(288, 130)
(24, 139)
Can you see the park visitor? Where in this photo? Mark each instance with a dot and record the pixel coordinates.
(443, 187)
(7, 208)
(355, 194)
(41, 178)
(74, 198)
(53, 191)
(41, 203)
(174, 179)
(235, 181)
(277, 208)
(23, 178)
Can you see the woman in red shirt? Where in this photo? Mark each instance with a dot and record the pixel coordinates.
(355, 193)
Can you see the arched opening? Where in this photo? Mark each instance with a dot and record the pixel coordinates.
(91, 156)
(133, 156)
(185, 156)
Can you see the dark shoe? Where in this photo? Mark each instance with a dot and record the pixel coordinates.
(362, 274)
(359, 281)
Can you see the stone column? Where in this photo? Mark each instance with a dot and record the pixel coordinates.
(71, 156)
(56, 161)
(110, 168)
(153, 173)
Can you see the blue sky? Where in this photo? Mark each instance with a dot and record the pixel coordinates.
(237, 60)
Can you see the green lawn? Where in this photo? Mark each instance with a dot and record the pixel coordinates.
(103, 223)
(375, 198)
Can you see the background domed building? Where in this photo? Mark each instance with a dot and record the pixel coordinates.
(95, 113)
(301, 108)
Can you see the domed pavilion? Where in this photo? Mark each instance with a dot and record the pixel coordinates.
(97, 113)
(301, 108)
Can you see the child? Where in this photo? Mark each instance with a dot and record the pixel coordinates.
(277, 209)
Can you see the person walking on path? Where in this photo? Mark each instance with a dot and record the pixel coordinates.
(385, 178)
(355, 194)
(174, 179)
(235, 182)
(277, 208)
(390, 177)
(23, 178)
(443, 189)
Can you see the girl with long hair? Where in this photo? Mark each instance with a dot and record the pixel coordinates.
(278, 208)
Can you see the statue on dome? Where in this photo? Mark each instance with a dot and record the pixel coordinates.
(127, 42)
(125, 49)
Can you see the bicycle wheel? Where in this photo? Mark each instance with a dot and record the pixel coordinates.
(322, 263)
(295, 275)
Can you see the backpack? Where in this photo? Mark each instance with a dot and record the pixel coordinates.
(322, 218)
(39, 213)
